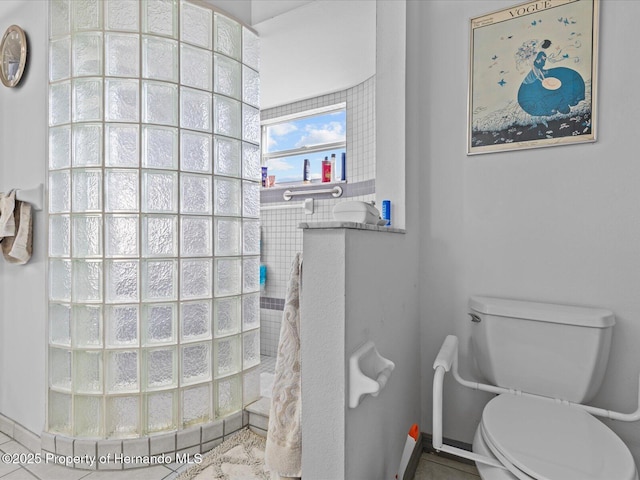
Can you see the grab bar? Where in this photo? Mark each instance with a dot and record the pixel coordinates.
(306, 205)
(335, 192)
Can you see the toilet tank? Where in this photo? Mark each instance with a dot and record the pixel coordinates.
(553, 350)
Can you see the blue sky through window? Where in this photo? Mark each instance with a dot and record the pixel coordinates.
(296, 135)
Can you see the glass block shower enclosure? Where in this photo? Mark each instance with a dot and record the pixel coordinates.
(154, 208)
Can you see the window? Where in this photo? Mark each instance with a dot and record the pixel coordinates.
(314, 135)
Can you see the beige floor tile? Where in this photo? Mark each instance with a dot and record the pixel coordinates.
(451, 463)
(4, 438)
(429, 470)
(157, 472)
(6, 468)
(20, 474)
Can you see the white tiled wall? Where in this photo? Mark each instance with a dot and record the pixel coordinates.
(281, 237)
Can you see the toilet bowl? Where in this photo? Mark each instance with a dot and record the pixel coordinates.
(545, 362)
(536, 438)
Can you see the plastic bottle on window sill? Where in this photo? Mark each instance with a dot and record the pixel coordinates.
(326, 170)
(333, 167)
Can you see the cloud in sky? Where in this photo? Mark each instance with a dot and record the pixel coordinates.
(278, 130)
(279, 164)
(327, 133)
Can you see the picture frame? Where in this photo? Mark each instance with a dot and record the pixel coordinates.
(533, 76)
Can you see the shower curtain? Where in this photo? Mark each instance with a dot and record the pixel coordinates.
(283, 451)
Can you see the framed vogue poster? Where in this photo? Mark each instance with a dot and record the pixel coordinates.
(532, 76)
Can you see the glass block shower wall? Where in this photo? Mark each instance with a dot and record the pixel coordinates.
(154, 171)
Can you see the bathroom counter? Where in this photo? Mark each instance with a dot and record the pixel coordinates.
(350, 225)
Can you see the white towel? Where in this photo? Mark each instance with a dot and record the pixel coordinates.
(7, 222)
(283, 451)
(17, 248)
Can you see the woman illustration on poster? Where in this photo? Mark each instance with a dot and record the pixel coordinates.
(547, 92)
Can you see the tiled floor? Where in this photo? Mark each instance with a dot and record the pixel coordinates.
(435, 467)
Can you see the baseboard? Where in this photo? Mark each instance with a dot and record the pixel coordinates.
(427, 445)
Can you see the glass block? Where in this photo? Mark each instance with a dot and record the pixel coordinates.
(228, 396)
(59, 409)
(121, 323)
(227, 196)
(196, 25)
(60, 280)
(121, 190)
(159, 324)
(60, 17)
(196, 152)
(195, 278)
(87, 374)
(195, 109)
(87, 100)
(159, 103)
(161, 411)
(59, 235)
(160, 59)
(159, 280)
(251, 237)
(227, 277)
(123, 416)
(60, 368)
(87, 145)
(226, 317)
(196, 67)
(250, 386)
(122, 15)
(122, 373)
(122, 280)
(251, 166)
(227, 356)
(121, 235)
(195, 194)
(195, 237)
(250, 349)
(250, 86)
(122, 55)
(121, 103)
(122, 145)
(227, 236)
(87, 14)
(250, 49)
(60, 324)
(59, 59)
(87, 326)
(251, 199)
(161, 368)
(160, 147)
(160, 236)
(227, 36)
(251, 274)
(87, 236)
(250, 311)
(159, 17)
(159, 191)
(59, 147)
(227, 78)
(226, 116)
(250, 124)
(196, 363)
(87, 54)
(87, 190)
(87, 281)
(59, 103)
(195, 321)
(87, 416)
(227, 156)
(196, 405)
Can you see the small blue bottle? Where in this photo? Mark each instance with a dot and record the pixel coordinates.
(386, 212)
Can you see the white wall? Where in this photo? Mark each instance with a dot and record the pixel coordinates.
(556, 224)
(321, 47)
(23, 124)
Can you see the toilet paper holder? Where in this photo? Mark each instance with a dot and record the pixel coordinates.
(369, 372)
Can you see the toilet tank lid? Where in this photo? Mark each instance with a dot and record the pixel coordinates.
(543, 312)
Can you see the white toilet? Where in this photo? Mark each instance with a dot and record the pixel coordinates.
(544, 361)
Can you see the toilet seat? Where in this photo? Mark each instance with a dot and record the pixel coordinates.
(546, 440)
